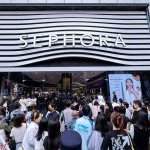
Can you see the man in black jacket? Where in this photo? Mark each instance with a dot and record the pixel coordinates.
(53, 115)
(137, 105)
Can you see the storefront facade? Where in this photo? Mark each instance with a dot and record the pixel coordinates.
(81, 36)
(64, 36)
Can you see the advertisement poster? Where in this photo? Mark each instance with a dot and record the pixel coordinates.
(125, 86)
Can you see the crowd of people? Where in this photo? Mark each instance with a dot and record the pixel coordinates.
(47, 122)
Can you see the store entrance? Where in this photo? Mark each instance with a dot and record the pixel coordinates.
(121, 85)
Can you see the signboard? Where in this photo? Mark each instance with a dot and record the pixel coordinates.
(125, 86)
(40, 37)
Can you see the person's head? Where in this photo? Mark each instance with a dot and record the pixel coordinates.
(2, 111)
(108, 105)
(18, 120)
(17, 106)
(53, 134)
(71, 140)
(116, 108)
(120, 101)
(142, 120)
(52, 107)
(126, 104)
(22, 97)
(101, 124)
(96, 103)
(82, 103)
(75, 114)
(102, 108)
(117, 121)
(36, 117)
(90, 100)
(33, 107)
(137, 104)
(43, 126)
(68, 104)
(122, 110)
(129, 83)
(86, 110)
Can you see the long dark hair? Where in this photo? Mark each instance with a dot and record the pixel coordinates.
(43, 126)
(35, 115)
(142, 121)
(109, 104)
(53, 135)
(101, 124)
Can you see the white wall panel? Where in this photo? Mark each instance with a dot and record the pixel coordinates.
(142, 1)
(55, 1)
(37, 1)
(5, 1)
(108, 1)
(19, 1)
(73, 1)
(91, 1)
(126, 1)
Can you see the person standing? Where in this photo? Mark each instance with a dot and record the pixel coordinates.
(66, 116)
(84, 126)
(52, 141)
(53, 115)
(118, 138)
(19, 129)
(101, 128)
(137, 106)
(41, 134)
(30, 134)
(100, 99)
(140, 131)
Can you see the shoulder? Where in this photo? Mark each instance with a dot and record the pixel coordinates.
(111, 134)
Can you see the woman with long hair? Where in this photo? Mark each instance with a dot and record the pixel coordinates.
(101, 128)
(18, 130)
(140, 131)
(118, 138)
(131, 94)
(52, 141)
(30, 134)
(41, 134)
(108, 110)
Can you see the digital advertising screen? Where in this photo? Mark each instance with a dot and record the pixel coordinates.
(125, 86)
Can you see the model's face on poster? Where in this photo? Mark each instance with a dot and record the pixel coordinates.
(129, 83)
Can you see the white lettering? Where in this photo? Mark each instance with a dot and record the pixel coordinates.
(86, 40)
(119, 40)
(87, 45)
(23, 40)
(69, 39)
(103, 39)
(52, 39)
(36, 40)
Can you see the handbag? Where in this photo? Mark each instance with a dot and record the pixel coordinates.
(130, 140)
